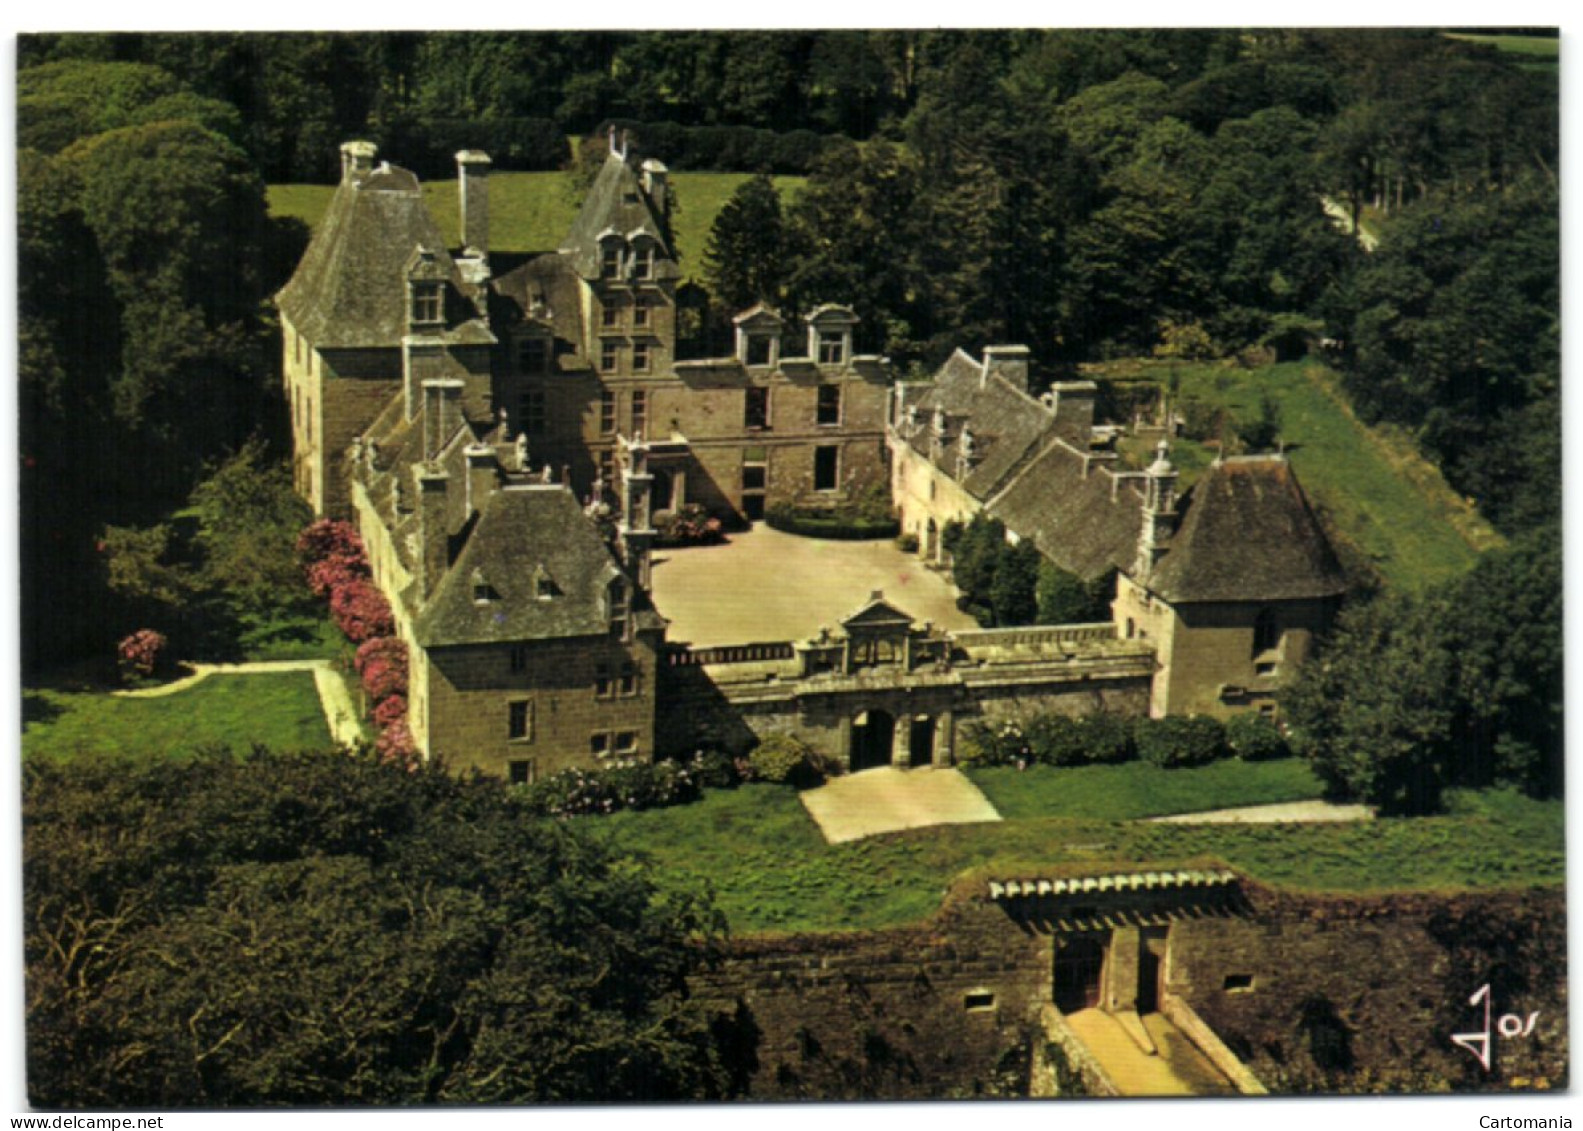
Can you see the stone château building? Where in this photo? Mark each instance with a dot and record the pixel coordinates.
(505, 444)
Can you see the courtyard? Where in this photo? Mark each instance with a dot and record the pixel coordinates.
(764, 585)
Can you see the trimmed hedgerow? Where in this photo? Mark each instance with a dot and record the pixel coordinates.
(834, 525)
(1180, 740)
(1254, 738)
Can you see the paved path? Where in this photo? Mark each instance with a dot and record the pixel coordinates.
(1288, 811)
(888, 799)
(339, 713)
(1177, 1068)
(765, 585)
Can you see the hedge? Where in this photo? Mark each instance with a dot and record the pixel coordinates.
(830, 524)
(1180, 740)
(1254, 738)
(725, 149)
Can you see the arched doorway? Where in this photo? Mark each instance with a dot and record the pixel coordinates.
(1079, 966)
(873, 733)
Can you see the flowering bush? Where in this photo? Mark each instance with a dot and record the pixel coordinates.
(382, 662)
(330, 538)
(395, 744)
(325, 577)
(690, 525)
(620, 785)
(141, 653)
(362, 611)
(389, 712)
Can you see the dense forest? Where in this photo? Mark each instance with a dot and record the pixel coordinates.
(1094, 194)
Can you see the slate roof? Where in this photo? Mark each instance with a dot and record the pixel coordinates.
(1084, 525)
(350, 290)
(524, 532)
(1007, 424)
(617, 203)
(1247, 534)
(545, 288)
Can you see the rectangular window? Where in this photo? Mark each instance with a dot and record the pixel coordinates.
(599, 745)
(519, 721)
(533, 412)
(640, 314)
(519, 658)
(607, 412)
(643, 263)
(640, 357)
(829, 404)
(629, 680)
(640, 410)
(426, 303)
(607, 466)
(626, 742)
(521, 771)
(609, 356)
(618, 609)
(610, 316)
(610, 261)
(754, 477)
(756, 412)
(758, 350)
(533, 355)
(832, 349)
(602, 684)
(826, 462)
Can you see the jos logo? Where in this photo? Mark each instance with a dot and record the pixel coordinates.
(1509, 1025)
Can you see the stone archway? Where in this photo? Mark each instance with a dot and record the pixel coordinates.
(1079, 972)
(873, 737)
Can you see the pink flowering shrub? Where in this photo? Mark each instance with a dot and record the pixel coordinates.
(361, 610)
(395, 745)
(333, 556)
(389, 712)
(141, 653)
(382, 662)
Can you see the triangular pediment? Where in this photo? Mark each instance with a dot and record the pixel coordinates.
(878, 613)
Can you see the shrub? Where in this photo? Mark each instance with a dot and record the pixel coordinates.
(361, 611)
(390, 711)
(714, 769)
(1057, 740)
(992, 744)
(330, 538)
(907, 543)
(621, 785)
(142, 654)
(689, 526)
(1180, 740)
(1108, 738)
(835, 524)
(395, 744)
(1254, 738)
(782, 759)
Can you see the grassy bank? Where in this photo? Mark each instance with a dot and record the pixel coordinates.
(772, 871)
(1137, 789)
(277, 709)
(1376, 491)
(533, 211)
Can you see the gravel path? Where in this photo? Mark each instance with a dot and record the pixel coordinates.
(1289, 811)
(339, 713)
(888, 799)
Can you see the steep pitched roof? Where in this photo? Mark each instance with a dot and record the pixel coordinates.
(1007, 424)
(1084, 523)
(617, 203)
(545, 289)
(1248, 535)
(350, 290)
(524, 533)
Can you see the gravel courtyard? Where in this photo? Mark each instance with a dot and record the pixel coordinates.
(765, 585)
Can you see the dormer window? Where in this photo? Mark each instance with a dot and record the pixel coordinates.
(425, 303)
(483, 592)
(533, 355)
(610, 261)
(832, 348)
(643, 262)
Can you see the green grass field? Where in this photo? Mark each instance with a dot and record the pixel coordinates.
(1380, 494)
(1137, 789)
(533, 211)
(772, 872)
(277, 709)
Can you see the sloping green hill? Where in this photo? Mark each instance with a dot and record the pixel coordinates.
(1377, 495)
(532, 211)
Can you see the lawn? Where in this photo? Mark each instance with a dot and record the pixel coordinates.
(1138, 789)
(772, 872)
(277, 709)
(533, 211)
(1378, 492)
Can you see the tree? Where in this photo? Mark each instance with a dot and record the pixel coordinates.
(746, 259)
(318, 929)
(1011, 593)
(248, 519)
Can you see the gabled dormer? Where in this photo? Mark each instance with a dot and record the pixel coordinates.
(427, 274)
(758, 336)
(830, 334)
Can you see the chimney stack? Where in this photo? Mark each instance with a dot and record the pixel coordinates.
(655, 183)
(442, 413)
(1010, 362)
(472, 183)
(357, 159)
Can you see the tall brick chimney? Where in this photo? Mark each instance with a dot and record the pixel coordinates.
(472, 182)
